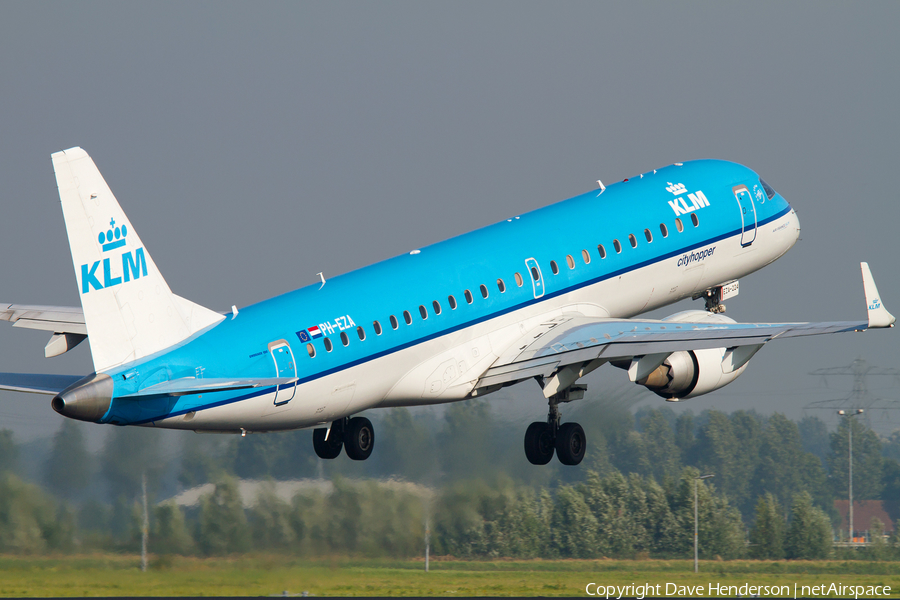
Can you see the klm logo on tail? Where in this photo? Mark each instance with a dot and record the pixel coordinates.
(134, 263)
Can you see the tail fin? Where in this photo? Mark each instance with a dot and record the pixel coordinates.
(129, 310)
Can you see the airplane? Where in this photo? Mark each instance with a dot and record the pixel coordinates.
(549, 295)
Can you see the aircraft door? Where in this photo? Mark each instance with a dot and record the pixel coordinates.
(285, 366)
(748, 214)
(537, 280)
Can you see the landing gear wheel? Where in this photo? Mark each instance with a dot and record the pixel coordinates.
(539, 443)
(331, 447)
(359, 438)
(570, 443)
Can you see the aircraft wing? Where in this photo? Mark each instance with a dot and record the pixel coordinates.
(589, 343)
(191, 385)
(36, 384)
(572, 346)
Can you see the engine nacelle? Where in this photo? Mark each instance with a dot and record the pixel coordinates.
(691, 373)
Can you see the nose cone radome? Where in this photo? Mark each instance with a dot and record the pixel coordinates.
(86, 400)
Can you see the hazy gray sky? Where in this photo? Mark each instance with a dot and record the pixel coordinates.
(256, 144)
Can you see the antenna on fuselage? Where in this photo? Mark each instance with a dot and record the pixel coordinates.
(602, 187)
(322, 277)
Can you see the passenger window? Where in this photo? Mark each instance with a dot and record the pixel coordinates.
(570, 261)
(617, 246)
(679, 225)
(311, 350)
(632, 240)
(328, 345)
(648, 235)
(484, 292)
(519, 280)
(437, 307)
(423, 311)
(361, 333)
(501, 286)
(601, 250)
(452, 301)
(664, 230)
(407, 317)
(468, 296)
(394, 323)
(377, 327)
(534, 273)
(586, 257)
(344, 339)
(553, 267)
(694, 219)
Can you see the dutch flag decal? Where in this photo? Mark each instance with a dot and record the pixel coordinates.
(314, 332)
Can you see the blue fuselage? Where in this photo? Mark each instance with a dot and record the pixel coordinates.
(621, 247)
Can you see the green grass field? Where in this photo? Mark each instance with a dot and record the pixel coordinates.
(263, 575)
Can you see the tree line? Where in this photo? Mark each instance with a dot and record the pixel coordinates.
(772, 495)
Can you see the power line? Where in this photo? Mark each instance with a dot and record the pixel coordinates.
(860, 397)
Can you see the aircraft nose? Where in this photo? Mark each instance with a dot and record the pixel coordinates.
(87, 399)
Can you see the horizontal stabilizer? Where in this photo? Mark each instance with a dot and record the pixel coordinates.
(66, 323)
(58, 319)
(36, 383)
(190, 385)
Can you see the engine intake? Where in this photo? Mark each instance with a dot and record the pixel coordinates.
(676, 377)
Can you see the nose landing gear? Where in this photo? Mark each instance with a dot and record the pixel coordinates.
(566, 439)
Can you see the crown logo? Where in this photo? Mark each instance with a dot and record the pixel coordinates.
(114, 237)
(676, 188)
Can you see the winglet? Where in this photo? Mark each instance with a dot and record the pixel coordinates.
(878, 314)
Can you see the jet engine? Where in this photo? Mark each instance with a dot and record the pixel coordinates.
(691, 373)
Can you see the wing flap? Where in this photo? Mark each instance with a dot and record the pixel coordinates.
(517, 372)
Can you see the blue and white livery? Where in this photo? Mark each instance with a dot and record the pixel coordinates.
(549, 295)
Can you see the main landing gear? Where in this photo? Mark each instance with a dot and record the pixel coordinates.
(356, 436)
(566, 439)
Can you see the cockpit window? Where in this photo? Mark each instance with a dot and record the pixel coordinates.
(769, 191)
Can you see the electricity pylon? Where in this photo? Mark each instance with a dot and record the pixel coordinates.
(859, 397)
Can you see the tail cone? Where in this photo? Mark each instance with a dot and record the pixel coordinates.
(86, 400)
